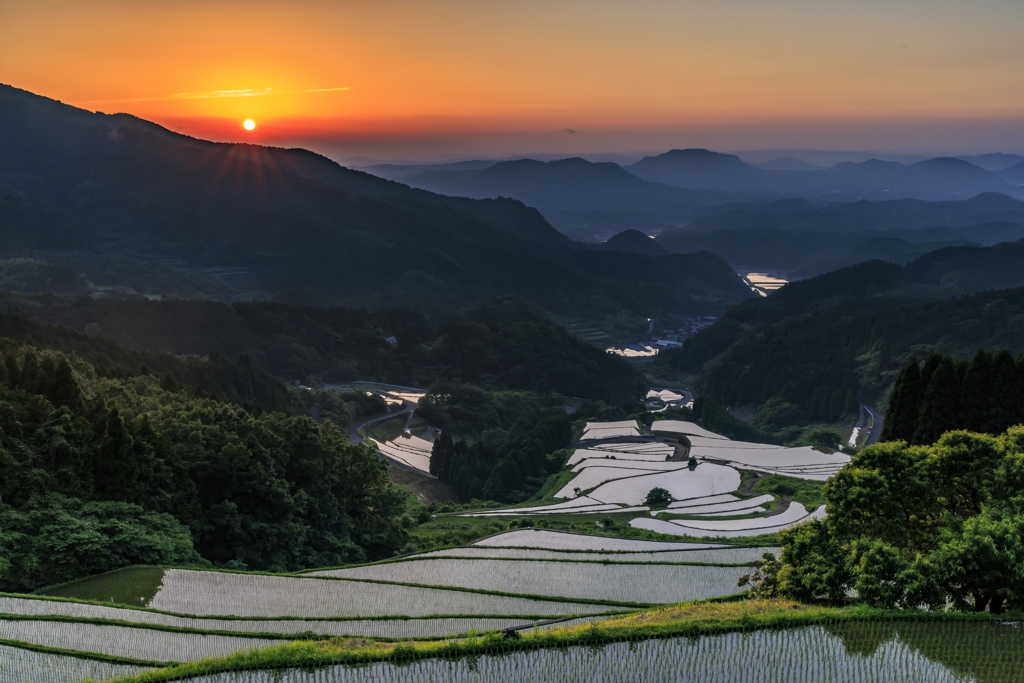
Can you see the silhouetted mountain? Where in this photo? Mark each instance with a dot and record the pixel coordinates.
(572, 185)
(566, 184)
(786, 164)
(942, 178)
(1014, 174)
(633, 241)
(994, 162)
(140, 209)
(700, 169)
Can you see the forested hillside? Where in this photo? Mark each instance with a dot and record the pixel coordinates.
(502, 345)
(100, 472)
(824, 343)
(139, 209)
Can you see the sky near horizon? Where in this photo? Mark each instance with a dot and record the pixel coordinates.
(397, 79)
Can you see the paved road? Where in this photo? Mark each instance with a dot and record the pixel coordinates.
(876, 425)
(353, 432)
(687, 395)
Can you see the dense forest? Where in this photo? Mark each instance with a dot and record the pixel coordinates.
(213, 375)
(936, 526)
(506, 344)
(822, 345)
(101, 471)
(943, 394)
(511, 472)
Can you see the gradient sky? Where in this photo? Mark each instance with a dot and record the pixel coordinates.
(396, 79)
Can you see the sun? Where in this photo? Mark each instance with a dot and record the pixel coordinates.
(249, 124)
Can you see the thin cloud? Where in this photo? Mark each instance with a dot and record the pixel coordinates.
(219, 94)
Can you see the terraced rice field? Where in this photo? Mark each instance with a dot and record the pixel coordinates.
(559, 540)
(18, 665)
(864, 652)
(145, 644)
(731, 506)
(400, 627)
(253, 595)
(595, 455)
(677, 427)
(706, 480)
(634, 583)
(713, 556)
(409, 450)
(727, 528)
(610, 430)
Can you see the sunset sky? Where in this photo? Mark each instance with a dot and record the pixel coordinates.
(393, 79)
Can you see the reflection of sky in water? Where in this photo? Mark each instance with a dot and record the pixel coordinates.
(633, 351)
(796, 655)
(765, 281)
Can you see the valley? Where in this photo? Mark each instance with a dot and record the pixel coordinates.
(265, 416)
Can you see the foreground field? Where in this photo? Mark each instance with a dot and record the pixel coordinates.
(524, 580)
(253, 628)
(751, 641)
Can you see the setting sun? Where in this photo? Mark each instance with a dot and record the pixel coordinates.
(249, 124)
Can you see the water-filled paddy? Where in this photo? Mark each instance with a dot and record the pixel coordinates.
(851, 652)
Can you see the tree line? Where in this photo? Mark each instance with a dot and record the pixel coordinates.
(943, 394)
(510, 471)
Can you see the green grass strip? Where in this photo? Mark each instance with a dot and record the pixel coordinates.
(723, 618)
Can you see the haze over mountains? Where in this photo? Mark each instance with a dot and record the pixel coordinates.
(684, 190)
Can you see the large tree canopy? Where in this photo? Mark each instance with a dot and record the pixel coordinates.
(907, 526)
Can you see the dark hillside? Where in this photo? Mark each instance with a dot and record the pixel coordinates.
(824, 343)
(501, 345)
(632, 241)
(121, 199)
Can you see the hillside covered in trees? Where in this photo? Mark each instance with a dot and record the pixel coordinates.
(505, 344)
(824, 343)
(101, 472)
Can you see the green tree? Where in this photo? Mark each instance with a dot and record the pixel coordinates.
(904, 405)
(658, 498)
(940, 402)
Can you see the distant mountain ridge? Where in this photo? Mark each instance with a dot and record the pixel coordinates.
(939, 178)
(593, 201)
(573, 185)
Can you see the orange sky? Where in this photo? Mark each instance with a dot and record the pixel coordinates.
(517, 76)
